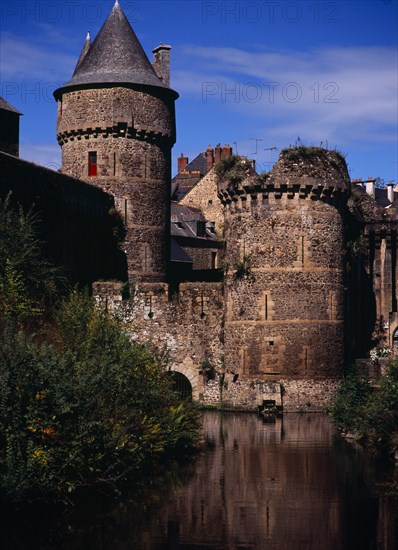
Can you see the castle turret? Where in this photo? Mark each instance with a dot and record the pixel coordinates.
(116, 127)
(285, 266)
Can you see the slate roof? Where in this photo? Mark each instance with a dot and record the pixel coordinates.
(184, 223)
(86, 47)
(381, 195)
(116, 56)
(5, 106)
(198, 163)
(178, 254)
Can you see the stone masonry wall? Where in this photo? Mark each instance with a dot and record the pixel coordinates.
(284, 314)
(74, 219)
(188, 327)
(204, 195)
(132, 133)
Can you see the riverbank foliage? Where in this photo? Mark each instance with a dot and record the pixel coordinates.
(370, 408)
(81, 405)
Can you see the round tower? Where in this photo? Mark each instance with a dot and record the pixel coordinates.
(285, 267)
(116, 127)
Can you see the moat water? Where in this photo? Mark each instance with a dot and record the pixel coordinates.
(292, 485)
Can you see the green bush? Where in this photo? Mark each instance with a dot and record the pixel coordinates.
(370, 410)
(80, 404)
(350, 399)
(28, 283)
(93, 409)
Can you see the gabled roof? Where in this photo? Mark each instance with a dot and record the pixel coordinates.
(198, 163)
(116, 56)
(178, 254)
(5, 106)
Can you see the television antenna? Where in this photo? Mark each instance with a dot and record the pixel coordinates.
(257, 140)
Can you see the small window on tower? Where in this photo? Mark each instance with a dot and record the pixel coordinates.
(92, 163)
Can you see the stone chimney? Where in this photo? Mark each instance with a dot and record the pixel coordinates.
(161, 63)
(390, 191)
(226, 151)
(209, 154)
(182, 163)
(217, 153)
(370, 187)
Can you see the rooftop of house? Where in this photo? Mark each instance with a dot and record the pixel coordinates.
(189, 222)
(189, 173)
(383, 196)
(5, 106)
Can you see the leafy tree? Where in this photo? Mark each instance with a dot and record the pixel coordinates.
(371, 410)
(28, 282)
(82, 405)
(101, 412)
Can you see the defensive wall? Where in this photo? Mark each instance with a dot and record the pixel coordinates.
(75, 219)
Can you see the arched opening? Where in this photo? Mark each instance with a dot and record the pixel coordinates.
(181, 385)
(395, 339)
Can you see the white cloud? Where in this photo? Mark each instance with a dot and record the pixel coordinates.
(23, 60)
(340, 93)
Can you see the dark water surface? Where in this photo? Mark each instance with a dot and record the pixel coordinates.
(291, 485)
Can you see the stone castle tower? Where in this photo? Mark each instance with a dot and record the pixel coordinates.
(284, 287)
(116, 127)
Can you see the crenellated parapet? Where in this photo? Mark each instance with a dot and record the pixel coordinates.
(305, 173)
(259, 189)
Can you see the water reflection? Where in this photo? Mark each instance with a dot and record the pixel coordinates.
(292, 485)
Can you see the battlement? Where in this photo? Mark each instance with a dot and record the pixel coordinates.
(258, 189)
(120, 130)
(301, 172)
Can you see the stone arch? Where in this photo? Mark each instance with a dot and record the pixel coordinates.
(193, 377)
(181, 385)
(394, 338)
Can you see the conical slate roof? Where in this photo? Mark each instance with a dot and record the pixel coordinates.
(115, 56)
(83, 53)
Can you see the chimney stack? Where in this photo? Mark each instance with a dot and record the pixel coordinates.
(209, 154)
(370, 187)
(390, 191)
(217, 153)
(161, 63)
(226, 151)
(182, 163)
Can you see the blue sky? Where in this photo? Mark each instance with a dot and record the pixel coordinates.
(318, 72)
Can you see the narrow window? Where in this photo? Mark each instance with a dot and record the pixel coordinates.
(266, 307)
(214, 260)
(92, 163)
(210, 202)
(114, 164)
